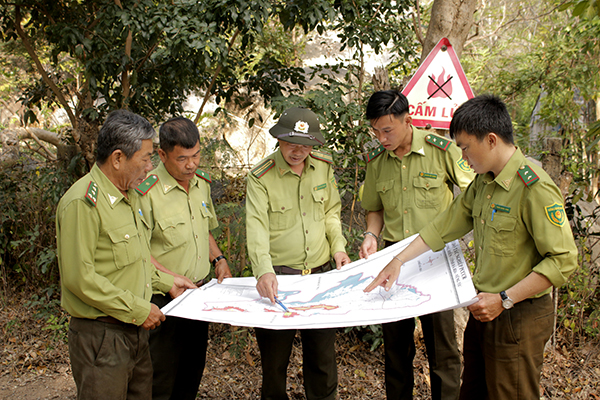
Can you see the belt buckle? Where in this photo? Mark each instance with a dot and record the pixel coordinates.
(306, 271)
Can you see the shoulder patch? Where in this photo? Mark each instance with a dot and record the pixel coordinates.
(556, 214)
(438, 141)
(148, 184)
(263, 167)
(91, 195)
(463, 165)
(527, 175)
(203, 175)
(322, 156)
(373, 154)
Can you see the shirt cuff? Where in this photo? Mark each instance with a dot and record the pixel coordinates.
(162, 281)
(432, 238)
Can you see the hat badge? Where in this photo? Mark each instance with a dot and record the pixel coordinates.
(301, 126)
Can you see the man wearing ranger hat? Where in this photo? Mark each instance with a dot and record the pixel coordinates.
(293, 228)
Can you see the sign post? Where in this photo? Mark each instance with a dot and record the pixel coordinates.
(437, 88)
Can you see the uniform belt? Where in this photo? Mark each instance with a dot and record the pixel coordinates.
(111, 320)
(283, 270)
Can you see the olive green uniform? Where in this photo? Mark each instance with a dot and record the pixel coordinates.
(411, 191)
(519, 227)
(294, 221)
(105, 269)
(180, 223)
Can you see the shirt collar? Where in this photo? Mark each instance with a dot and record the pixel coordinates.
(109, 190)
(283, 167)
(417, 145)
(507, 176)
(166, 180)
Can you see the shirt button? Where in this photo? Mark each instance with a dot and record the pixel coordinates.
(482, 221)
(404, 167)
(427, 185)
(198, 257)
(192, 217)
(405, 211)
(196, 236)
(304, 214)
(404, 188)
(126, 236)
(147, 285)
(307, 249)
(406, 231)
(305, 263)
(489, 196)
(301, 197)
(195, 279)
(133, 320)
(283, 208)
(307, 231)
(321, 199)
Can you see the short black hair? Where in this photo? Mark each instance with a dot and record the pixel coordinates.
(178, 131)
(122, 130)
(386, 102)
(482, 115)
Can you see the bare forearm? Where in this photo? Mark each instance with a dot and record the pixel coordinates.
(375, 222)
(531, 285)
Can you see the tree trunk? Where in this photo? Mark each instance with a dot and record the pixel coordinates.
(452, 19)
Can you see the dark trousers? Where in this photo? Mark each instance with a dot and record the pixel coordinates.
(442, 353)
(318, 362)
(110, 361)
(504, 357)
(178, 351)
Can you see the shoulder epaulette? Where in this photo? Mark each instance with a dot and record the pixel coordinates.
(438, 141)
(527, 175)
(92, 193)
(148, 184)
(373, 154)
(322, 156)
(203, 175)
(263, 167)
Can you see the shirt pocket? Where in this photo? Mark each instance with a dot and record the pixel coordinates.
(206, 212)
(319, 197)
(385, 190)
(502, 235)
(428, 193)
(172, 231)
(281, 215)
(125, 245)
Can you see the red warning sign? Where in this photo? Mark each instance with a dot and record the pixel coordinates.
(437, 88)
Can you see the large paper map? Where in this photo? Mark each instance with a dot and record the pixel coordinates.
(433, 282)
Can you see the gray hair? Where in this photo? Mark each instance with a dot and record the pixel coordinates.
(122, 130)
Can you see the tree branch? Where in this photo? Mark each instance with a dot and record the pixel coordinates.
(214, 79)
(417, 23)
(35, 138)
(40, 67)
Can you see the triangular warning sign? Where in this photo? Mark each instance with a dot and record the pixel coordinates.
(437, 88)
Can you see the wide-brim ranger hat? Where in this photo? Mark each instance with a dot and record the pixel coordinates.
(300, 126)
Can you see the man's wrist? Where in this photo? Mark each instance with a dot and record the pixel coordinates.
(369, 233)
(217, 259)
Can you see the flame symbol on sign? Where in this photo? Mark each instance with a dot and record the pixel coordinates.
(441, 87)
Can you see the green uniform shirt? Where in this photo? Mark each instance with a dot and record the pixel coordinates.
(292, 220)
(104, 252)
(180, 223)
(518, 228)
(415, 188)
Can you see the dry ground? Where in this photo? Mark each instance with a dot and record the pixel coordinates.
(34, 364)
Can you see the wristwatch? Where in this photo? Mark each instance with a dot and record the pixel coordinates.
(507, 302)
(217, 259)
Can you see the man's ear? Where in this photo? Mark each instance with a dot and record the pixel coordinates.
(116, 159)
(492, 139)
(408, 119)
(162, 154)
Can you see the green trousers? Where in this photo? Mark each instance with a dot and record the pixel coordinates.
(110, 361)
(504, 357)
